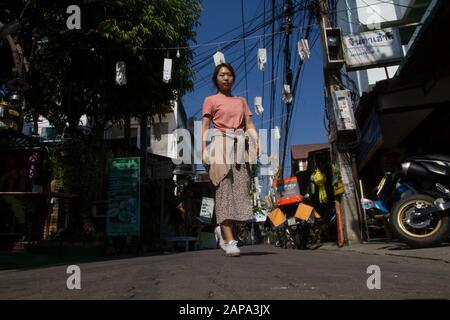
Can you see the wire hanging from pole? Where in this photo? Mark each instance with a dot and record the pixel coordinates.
(245, 48)
(263, 73)
(272, 88)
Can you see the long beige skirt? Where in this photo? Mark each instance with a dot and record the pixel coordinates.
(232, 199)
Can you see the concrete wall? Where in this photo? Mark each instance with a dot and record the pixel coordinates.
(164, 144)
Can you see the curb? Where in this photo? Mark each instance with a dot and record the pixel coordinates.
(383, 252)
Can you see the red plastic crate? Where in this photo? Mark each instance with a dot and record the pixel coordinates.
(287, 191)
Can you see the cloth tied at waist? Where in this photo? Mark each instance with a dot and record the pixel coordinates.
(227, 148)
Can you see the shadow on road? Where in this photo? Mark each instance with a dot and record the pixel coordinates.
(398, 246)
(256, 253)
(405, 247)
(27, 260)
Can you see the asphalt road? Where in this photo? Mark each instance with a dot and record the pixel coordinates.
(262, 272)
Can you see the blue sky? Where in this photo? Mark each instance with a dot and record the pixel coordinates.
(224, 19)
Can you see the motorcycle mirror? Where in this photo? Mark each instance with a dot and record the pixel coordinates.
(442, 189)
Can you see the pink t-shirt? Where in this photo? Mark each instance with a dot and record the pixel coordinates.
(225, 112)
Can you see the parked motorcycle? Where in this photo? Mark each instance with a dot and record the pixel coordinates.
(392, 188)
(422, 219)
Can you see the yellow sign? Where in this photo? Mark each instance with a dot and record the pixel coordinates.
(277, 217)
(304, 212)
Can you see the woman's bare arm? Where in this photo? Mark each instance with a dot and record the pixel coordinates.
(250, 128)
(206, 122)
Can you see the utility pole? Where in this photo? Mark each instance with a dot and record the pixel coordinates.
(287, 27)
(346, 204)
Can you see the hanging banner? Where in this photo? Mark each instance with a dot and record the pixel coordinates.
(121, 73)
(167, 72)
(372, 49)
(218, 58)
(303, 49)
(258, 105)
(123, 197)
(287, 95)
(262, 58)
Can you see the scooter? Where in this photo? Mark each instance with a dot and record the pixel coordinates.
(392, 188)
(422, 219)
(298, 231)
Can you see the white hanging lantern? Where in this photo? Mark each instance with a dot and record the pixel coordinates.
(258, 105)
(287, 95)
(262, 58)
(167, 73)
(277, 134)
(303, 49)
(121, 75)
(218, 58)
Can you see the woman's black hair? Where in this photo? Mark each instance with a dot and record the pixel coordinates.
(216, 72)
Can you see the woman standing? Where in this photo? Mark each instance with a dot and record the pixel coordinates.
(231, 117)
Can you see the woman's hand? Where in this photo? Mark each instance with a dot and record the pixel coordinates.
(258, 149)
(204, 156)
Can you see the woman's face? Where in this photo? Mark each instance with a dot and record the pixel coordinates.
(225, 79)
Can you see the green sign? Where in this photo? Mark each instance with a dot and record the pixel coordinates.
(123, 197)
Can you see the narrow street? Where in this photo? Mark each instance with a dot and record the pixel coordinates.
(137, 135)
(262, 272)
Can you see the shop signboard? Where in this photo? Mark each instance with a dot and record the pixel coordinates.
(372, 49)
(207, 208)
(123, 218)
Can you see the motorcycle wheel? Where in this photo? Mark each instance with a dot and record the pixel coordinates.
(418, 234)
(298, 240)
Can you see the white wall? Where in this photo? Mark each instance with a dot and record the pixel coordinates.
(384, 11)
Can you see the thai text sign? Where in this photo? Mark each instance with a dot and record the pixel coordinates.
(372, 49)
(123, 196)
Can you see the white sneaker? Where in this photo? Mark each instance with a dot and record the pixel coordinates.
(231, 249)
(219, 237)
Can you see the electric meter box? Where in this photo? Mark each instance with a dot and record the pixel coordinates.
(343, 111)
